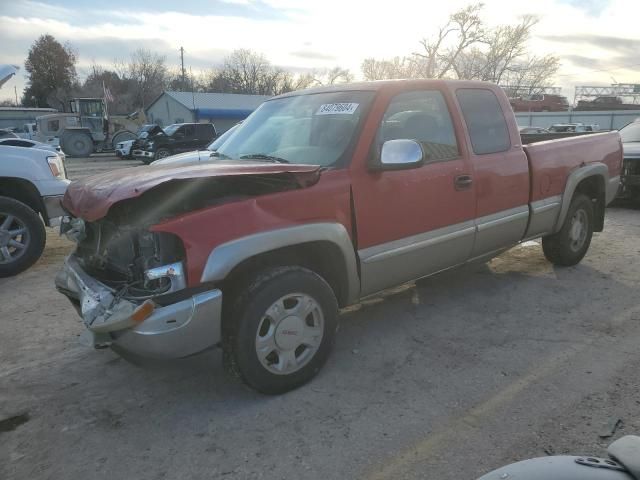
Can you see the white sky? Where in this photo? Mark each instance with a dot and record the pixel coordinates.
(587, 35)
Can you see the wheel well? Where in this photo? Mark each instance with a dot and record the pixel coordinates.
(593, 187)
(322, 257)
(24, 191)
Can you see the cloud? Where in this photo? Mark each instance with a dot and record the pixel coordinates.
(310, 54)
(591, 7)
(623, 46)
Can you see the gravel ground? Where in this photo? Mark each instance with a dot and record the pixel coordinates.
(445, 379)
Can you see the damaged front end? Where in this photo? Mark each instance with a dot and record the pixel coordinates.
(128, 285)
(128, 282)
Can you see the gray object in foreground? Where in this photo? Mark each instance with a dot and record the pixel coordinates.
(624, 464)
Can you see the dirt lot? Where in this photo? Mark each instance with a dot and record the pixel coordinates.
(443, 379)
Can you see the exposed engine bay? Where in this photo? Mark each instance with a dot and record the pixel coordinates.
(120, 251)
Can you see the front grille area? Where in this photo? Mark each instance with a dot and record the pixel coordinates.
(631, 172)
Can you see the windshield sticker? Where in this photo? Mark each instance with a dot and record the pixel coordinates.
(337, 109)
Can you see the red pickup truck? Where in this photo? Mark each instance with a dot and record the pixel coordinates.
(321, 197)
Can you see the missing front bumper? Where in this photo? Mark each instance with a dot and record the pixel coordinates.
(173, 331)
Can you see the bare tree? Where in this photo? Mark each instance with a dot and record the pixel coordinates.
(463, 29)
(149, 72)
(246, 71)
(506, 45)
(465, 48)
(395, 68)
(249, 72)
(531, 74)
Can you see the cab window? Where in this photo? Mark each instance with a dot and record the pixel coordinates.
(422, 116)
(485, 120)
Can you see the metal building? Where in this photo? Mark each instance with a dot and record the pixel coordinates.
(222, 109)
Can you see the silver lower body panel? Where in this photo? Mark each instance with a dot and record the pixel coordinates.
(177, 330)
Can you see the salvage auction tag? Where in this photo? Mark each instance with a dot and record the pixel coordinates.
(337, 108)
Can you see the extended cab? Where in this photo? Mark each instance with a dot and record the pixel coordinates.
(177, 138)
(321, 197)
(32, 184)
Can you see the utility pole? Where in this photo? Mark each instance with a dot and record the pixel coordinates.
(182, 67)
(15, 90)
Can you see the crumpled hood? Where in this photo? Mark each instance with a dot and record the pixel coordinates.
(631, 149)
(90, 198)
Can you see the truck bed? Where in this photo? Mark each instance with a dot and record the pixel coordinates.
(551, 161)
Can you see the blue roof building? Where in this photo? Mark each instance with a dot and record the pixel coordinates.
(222, 109)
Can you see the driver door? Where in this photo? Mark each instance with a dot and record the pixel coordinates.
(414, 222)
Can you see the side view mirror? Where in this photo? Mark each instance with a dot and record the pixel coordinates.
(399, 154)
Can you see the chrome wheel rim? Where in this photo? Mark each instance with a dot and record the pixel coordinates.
(289, 333)
(578, 230)
(14, 238)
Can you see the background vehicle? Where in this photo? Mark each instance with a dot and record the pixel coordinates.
(320, 198)
(126, 148)
(630, 177)
(176, 138)
(32, 184)
(83, 131)
(572, 128)
(623, 464)
(539, 102)
(198, 155)
(605, 103)
(28, 131)
(23, 142)
(6, 133)
(532, 130)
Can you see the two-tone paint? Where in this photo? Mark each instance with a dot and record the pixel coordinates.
(388, 227)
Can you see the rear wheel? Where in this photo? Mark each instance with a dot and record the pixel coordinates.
(570, 244)
(22, 237)
(77, 144)
(280, 329)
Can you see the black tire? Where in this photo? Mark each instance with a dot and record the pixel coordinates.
(77, 144)
(246, 316)
(34, 237)
(121, 136)
(563, 248)
(161, 153)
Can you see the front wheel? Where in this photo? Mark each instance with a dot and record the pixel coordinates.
(280, 329)
(570, 244)
(77, 144)
(22, 237)
(162, 153)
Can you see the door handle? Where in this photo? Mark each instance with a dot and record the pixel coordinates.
(462, 182)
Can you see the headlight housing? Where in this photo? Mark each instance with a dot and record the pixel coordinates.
(56, 165)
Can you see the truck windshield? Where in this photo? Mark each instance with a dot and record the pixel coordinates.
(312, 129)
(630, 133)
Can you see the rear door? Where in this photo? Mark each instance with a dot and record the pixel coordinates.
(188, 141)
(411, 223)
(205, 133)
(500, 170)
